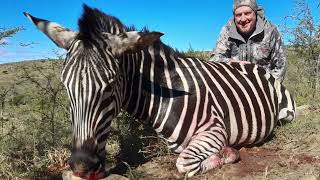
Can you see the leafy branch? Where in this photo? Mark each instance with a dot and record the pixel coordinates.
(6, 33)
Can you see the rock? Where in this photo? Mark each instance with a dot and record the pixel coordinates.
(115, 177)
(67, 175)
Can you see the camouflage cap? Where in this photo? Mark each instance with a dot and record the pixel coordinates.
(251, 3)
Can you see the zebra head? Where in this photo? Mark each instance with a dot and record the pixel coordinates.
(90, 75)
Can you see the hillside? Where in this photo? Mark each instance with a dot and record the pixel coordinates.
(35, 134)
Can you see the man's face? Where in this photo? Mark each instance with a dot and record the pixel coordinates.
(245, 19)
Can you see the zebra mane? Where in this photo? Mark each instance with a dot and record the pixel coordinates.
(93, 22)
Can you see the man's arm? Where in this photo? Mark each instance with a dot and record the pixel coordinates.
(222, 50)
(278, 63)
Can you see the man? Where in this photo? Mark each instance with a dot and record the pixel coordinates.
(249, 37)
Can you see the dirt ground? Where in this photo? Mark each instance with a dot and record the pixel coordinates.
(255, 163)
(293, 153)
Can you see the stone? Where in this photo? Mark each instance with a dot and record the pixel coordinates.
(67, 175)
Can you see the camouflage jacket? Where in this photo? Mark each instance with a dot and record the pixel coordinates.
(263, 47)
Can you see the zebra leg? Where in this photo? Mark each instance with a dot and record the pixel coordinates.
(287, 106)
(204, 152)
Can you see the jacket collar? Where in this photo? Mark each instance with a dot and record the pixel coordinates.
(233, 33)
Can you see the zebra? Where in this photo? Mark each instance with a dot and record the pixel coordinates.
(204, 110)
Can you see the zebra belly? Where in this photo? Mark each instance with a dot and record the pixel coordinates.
(256, 132)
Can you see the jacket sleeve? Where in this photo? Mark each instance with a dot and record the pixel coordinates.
(278, 64)
(222, 51)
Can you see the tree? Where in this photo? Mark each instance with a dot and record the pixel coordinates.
(304, 41)
(50, 102)
(6, 33)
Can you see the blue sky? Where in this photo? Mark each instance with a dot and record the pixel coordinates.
(186, 23)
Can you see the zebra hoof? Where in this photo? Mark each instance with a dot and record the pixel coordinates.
(230, 155)
(212, 162)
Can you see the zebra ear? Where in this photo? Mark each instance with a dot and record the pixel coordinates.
(132, 40)
(149, 38)
(60, 35)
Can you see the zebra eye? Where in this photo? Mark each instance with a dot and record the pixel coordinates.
(123, 35)
(105, 35)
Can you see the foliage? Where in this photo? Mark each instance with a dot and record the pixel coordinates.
(137, 143)
(304, 52)
(197, 54)
(50, 103)
(8, 32)
(36, 118)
